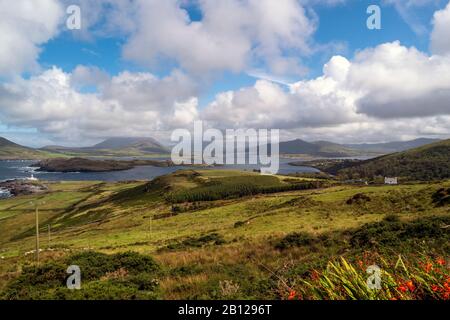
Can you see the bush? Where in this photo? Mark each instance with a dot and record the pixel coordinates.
(212, 238)
(358, 198)
(296, 239)
(137, 278)
(390, 232)
(134, 263)
(441, 197)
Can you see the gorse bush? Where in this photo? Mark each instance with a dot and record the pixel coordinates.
(127, 275)
(296, 239)
(442, 197)
(392, 231)
(192, 242)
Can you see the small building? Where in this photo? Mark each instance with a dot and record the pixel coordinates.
(388, 180)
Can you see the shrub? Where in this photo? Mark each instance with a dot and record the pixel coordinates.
(391, 232)
(126, 275)
(441, 197)
(358, 198)
(295, 239)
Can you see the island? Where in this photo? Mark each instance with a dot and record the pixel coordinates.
(89, 165)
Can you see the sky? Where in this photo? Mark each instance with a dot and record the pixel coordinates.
(311, 68)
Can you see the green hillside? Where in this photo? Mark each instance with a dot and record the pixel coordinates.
(12, 151)
(133, 240)
(429, 162)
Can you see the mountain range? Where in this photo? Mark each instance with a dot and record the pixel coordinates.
(329, 149)
(149, 147)
(118, 147)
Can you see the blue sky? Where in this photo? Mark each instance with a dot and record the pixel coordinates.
(205, 49)
(341, 26)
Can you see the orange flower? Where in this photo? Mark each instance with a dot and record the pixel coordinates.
(410, 285)
(315, 275)
(440, 261)
(428, 267)
(292, 295)
(402, 288)
(435, 288)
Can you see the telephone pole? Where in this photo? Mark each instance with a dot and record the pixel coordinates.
(37, 233)
(49, 236)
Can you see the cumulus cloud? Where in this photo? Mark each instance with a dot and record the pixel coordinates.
(102, 18)
(440, 37)
(129, 104)
(400, 82)
(231, 35)
(24, 27)
(388, 82)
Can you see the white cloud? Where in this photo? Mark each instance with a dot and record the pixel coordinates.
(230, 36)
(440, 37)
(101, 18)
(24, 26)
(379, 88)
(129, 104)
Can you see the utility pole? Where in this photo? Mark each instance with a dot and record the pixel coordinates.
(37, 233)
(49, 236)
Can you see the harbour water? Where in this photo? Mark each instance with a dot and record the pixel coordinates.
(21, 169)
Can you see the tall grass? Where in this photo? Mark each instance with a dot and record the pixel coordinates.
(425, 278)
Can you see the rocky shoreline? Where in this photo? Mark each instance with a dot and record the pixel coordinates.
(12, 188)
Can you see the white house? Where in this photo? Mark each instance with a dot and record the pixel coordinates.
(388, 180)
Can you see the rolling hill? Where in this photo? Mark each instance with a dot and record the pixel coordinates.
(429, 162)
(13, 151)
(120, 147)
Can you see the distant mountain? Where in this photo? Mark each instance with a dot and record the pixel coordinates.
(391, 147)
(429, 162)
(298, 146)
(13, 151)
(329, 149)
(120, 147)
(319, 149)
(149, 144)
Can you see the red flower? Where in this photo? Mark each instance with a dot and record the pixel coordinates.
(292, 295)
(435, 288)
(402, 288)
(440, 261)
(410, 286)
(428, 267)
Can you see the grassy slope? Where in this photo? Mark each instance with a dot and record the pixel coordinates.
(117, 217)
(14, 153)
(425, 163)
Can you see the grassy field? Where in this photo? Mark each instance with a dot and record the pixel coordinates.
(274, 245)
